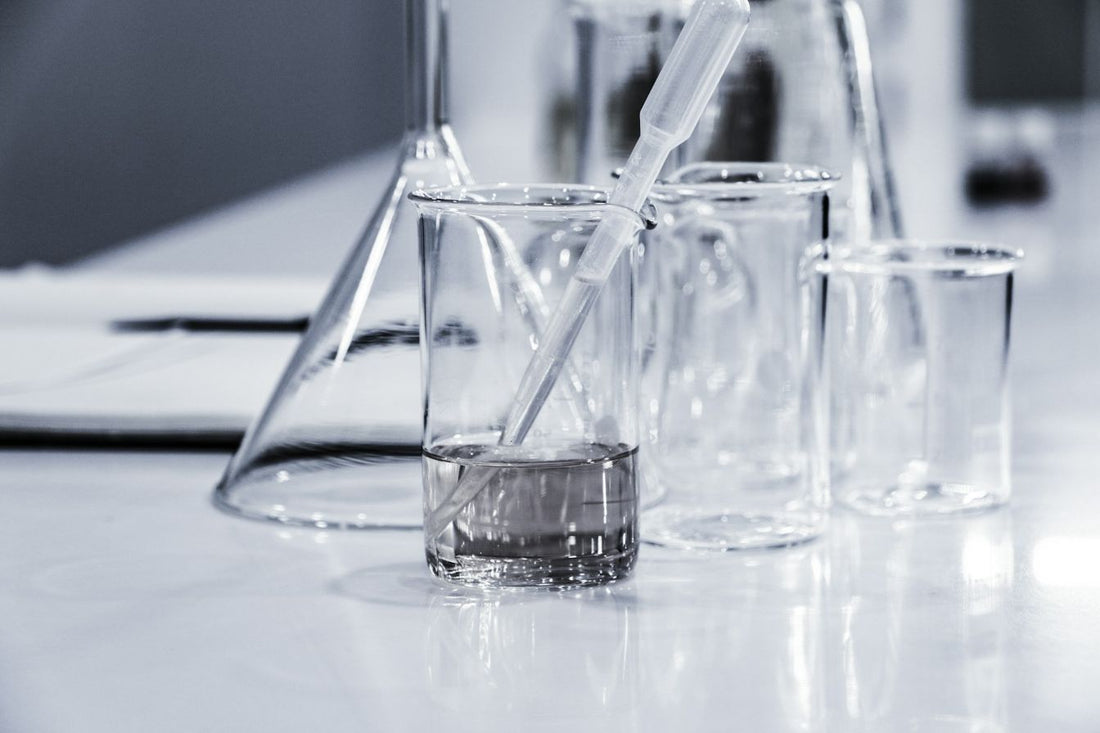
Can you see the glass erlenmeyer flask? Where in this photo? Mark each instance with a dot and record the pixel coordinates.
(800, 88)
(338, 444)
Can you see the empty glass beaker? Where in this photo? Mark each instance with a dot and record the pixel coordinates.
(730, 397)
(560, 508)
(338, 444)
(916, 357)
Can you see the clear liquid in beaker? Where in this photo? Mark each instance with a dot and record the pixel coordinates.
(570, 521)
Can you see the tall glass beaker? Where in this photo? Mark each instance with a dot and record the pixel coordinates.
(730, 395)
(338, 444)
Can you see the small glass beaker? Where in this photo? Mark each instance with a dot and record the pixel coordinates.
(560, 508)
(728, 383)
(916, 339)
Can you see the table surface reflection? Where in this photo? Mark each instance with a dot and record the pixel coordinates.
(128, 599)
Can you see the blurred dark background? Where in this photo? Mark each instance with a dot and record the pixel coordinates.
(118, 117)
(121, 116)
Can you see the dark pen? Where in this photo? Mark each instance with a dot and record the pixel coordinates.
(212, 324)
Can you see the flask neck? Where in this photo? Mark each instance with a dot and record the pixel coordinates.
(425, 65)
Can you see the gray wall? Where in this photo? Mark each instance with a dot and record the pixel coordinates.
(120, 116)
(1027, 51)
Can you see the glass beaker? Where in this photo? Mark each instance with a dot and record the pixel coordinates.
(560, 508)
(916, 357)
(338, 444)
(730, 395)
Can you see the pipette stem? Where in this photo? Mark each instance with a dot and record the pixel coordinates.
(547, 361)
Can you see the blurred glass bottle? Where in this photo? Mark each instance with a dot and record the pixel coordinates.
(338, 444)
(621, 45)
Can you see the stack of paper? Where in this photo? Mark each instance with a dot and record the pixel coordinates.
(139, 359)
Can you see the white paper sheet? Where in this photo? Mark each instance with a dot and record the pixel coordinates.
(65, 373)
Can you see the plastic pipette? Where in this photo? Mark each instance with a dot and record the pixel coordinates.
(669, 116)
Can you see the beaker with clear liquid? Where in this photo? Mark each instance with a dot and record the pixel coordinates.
(561, 508)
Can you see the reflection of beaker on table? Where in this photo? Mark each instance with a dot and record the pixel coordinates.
(338, 443)
(495, 657)
(746, 626)
(917, 623)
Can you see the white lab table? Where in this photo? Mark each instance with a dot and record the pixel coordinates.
(128, 603)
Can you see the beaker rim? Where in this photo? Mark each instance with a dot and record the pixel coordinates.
(738, 179)
(951, 258)
(528, 198)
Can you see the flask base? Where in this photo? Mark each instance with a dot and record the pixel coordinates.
(338, 491)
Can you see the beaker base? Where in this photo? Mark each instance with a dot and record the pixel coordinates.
(686, 528)
(925, 499)
(519, 572)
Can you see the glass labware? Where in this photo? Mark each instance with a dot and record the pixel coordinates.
(560, 508)
(338, 444)
(916, 343)
(800, 88)
(730, 394)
